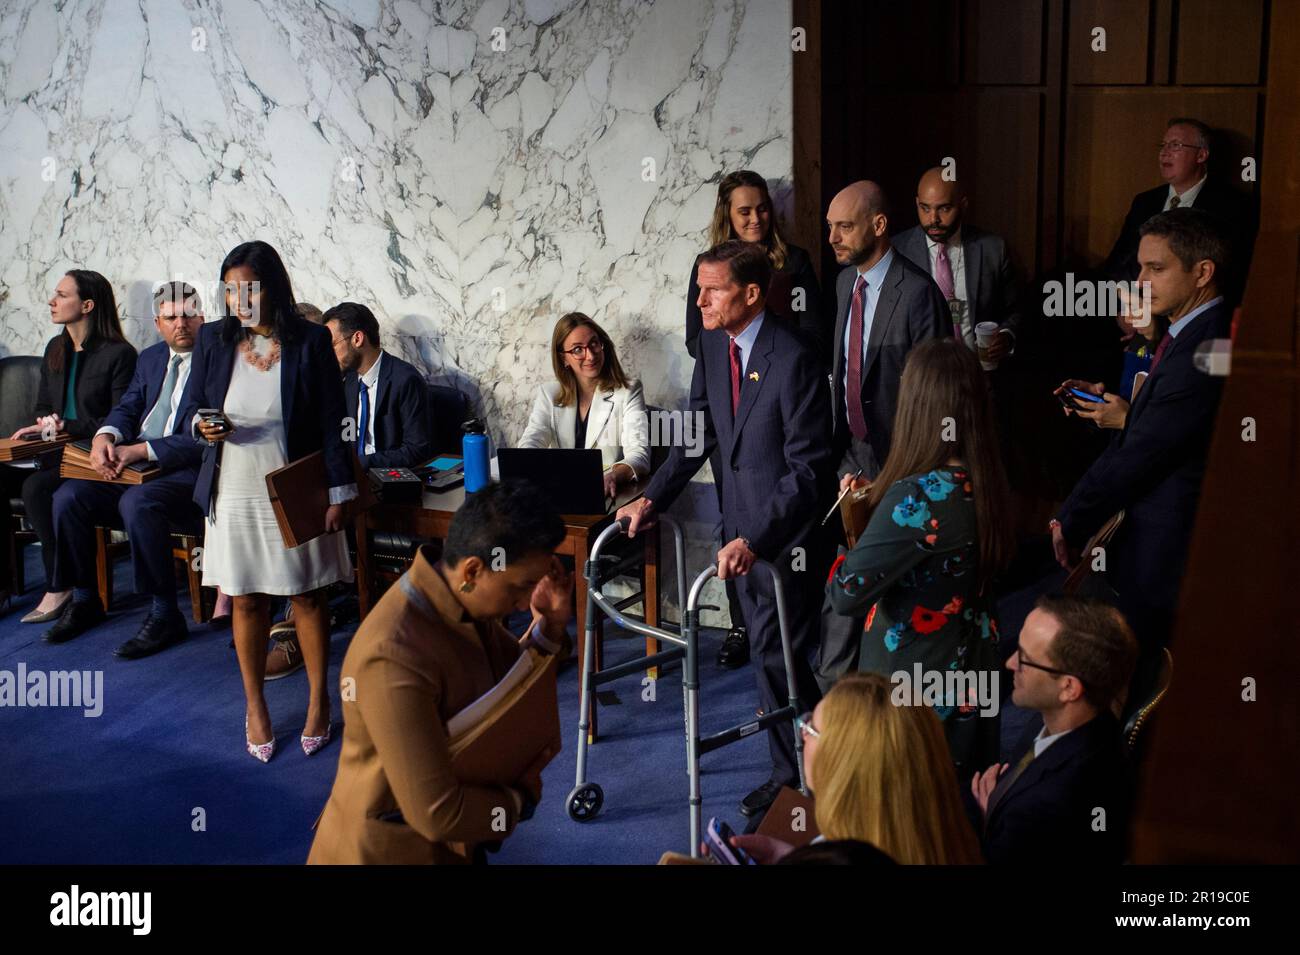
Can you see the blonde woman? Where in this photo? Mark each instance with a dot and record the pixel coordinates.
(882, 775)
(591, 403)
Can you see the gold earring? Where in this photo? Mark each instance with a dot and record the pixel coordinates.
(466, 587)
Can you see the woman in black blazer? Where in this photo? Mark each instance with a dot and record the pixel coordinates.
(744, 211)
(86, 370)
(276, 381)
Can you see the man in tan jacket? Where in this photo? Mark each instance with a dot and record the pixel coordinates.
(430, 647)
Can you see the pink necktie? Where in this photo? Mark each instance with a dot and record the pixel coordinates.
(735, 377)
(1160, 351)
(853, 393)
(943, 275)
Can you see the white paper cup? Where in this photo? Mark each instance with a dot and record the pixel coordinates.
(985, 332)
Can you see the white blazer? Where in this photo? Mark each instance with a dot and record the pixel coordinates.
(616, 424)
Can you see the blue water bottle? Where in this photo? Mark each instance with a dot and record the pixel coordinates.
(474, 448)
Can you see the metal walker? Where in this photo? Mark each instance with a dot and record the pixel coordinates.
(586, 798)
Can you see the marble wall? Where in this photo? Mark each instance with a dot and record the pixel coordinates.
(471, 170)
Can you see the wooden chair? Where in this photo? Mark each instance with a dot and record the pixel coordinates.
(108, 550)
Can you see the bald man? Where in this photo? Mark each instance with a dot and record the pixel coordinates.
(968, 264)
(885, 306)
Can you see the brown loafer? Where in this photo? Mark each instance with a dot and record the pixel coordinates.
(285, 658)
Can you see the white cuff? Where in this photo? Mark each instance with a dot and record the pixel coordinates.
(109, 429)
(343, 493)
(148, 447)
(535, 635)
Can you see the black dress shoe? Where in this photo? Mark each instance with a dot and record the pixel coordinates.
(760, 798)
(735, 649)
(156, 633)
(76, 619)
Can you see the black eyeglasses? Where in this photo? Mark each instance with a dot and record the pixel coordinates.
(1024, 661)
(1176, 145)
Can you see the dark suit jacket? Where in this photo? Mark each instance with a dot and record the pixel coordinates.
(1047, 814)
(910, 310)
(1231, 208)
(310, 390)
(104, 372)
(403, 427)
(775, 454)
(176, 450)
(798, 273)
(991, 292)
(1153, 469)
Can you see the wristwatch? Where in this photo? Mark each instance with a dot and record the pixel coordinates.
(748, 545)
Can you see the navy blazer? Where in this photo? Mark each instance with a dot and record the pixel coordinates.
(910, 310)
(991, 290)
(104, 372)
(403, 426)
(797, 274)
(311, 394)
(1152, 470)
(775, 455)
(1049, 813)
(1233, 210)
(177, 449)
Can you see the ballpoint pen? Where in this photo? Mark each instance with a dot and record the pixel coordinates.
(846, 490)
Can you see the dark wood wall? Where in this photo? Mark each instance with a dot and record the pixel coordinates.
(1051, 139)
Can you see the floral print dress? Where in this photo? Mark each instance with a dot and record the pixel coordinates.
(914, 573)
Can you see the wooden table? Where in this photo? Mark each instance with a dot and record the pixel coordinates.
(433, 518)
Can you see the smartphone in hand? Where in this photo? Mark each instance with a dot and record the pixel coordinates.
(718, 835)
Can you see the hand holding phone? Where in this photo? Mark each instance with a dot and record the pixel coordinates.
(718, 838)
(214, 426)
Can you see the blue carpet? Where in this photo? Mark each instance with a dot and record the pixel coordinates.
(161, 777)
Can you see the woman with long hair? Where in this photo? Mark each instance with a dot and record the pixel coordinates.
(881, 775)
(274, 378)
(940, 532)
(86, 369)
(591, 404)
(744, 211)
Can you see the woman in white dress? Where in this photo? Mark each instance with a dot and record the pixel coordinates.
(591, 403)
(276, 381)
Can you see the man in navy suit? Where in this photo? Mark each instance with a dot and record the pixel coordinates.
(392, 409)
(142, 428)
(968, 264)
(1153, 467)
(761, 397)
(885, 307)
(1065, 792)
(1184, 166)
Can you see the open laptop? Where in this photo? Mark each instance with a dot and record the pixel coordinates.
(571, 478)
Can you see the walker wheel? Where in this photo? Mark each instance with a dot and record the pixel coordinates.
(585, 802)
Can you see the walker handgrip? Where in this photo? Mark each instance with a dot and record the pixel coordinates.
(625, 523)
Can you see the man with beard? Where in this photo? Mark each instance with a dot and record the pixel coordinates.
(142, 428)
(968, 264)
(386, 396)
(886, 306)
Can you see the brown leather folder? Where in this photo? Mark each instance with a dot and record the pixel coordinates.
(11, 450)
(76, 464)
(300, 494)
(791, 818)
(1100, 539)
(855, 514)
(520, 722)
